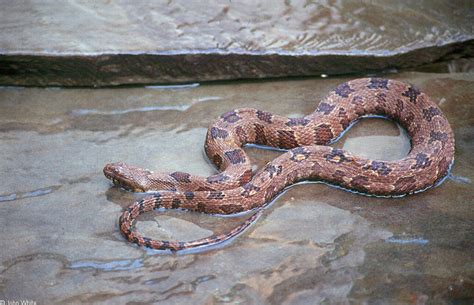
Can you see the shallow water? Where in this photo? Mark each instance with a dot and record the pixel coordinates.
(251, 27)
(316, 244)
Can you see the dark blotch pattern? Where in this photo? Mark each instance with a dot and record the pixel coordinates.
(422, 161)
(273, 170)
(264, 116)
(218, 195)
(217, 178)
(157, 199)
(380, 167)
(165, 244)
(297, 122)
(141, 207)
(429, 113)
(412, 93)
(336, 156)
(299, 154)
(218, 133)
(344, 90)
(325, 108)
(235, 156)
(438, 136)
(189, 195)
(181, 177)
(147, 241)
(249, 190)
(378, 83)
(176, 203)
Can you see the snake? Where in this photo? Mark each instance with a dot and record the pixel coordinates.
(307, 156)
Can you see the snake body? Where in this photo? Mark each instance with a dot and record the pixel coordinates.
(236, 189)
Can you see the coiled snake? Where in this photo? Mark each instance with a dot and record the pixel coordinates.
(236, 189)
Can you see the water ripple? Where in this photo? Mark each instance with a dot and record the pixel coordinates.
(34, 193)
(460, 179)
(407, 240)
(127, 264)
(173, 87)
(180, 107)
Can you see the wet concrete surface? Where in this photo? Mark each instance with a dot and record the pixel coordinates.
(130, 42)
(60, 241)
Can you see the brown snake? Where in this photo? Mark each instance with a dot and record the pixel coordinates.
(235, 189)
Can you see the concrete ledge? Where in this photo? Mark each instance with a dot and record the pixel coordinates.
(110, 43)
(175, 67)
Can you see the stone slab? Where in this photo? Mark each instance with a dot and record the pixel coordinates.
(60, 241)
(91, 43)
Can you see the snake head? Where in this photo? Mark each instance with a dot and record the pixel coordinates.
(125, 176)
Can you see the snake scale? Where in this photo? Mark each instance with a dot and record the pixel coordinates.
(236, 189)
